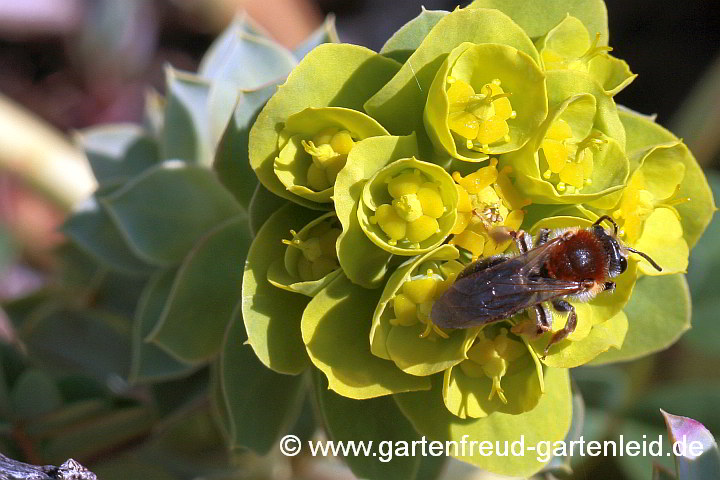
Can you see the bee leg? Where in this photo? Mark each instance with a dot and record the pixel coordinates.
(542, 237)
(609, 286)
(543, 318)
(563, 306)
(523, 240)
(534, 327)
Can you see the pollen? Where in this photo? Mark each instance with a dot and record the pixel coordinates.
(488, 200)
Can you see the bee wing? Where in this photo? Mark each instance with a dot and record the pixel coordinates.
(517, 270)
(500, 299)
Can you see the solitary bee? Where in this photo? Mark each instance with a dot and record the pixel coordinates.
(576, 263)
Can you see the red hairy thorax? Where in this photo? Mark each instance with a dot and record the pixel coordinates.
(580, 257)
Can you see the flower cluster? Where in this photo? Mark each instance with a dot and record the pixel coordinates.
(402, 167)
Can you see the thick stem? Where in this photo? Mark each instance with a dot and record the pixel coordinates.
(42, 157)
(71, 470)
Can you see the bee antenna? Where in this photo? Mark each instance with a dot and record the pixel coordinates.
(646, 257)
(609, 219)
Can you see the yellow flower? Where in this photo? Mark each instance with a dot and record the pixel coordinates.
(329, 150)
(479, 118)
(569, 164)
(491, 358)
(413, 212)
(647, 216)
(319, 256)
(414, 302)
(487, 201)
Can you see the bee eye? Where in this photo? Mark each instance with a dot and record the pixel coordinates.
(623, 264)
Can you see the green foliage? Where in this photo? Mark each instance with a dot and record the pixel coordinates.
(207, 285)
(150, 362)
(250, 240)
(703, 273)
(499, 116)
(118, 152)
(92, 229)
(378, 418)
(162, 237)
(261, 405)
(146, 296)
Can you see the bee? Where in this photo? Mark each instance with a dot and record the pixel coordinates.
(575, 263)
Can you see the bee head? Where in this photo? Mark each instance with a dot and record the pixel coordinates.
(617, 253)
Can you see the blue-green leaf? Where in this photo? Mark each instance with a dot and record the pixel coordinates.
(325, 33)
(92, 343)
(221, 49)
(186, 133)
(93, 231)
(260, 404)
(149, 362)
(231, 158)
(246, 60)
(206, 289)
(107, 432)
(118, 152)
(34, 393)
(166, 210)
(376, 420)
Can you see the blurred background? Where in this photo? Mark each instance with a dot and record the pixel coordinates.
(70, 64)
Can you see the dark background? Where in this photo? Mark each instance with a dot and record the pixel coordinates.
(669, 44)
